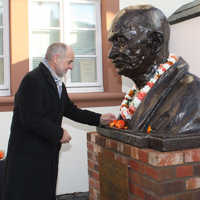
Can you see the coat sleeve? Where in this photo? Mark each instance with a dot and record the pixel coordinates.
(29, 103)
(79, 115)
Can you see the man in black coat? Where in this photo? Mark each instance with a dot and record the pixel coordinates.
(36, 133)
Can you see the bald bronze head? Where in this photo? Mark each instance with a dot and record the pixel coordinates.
(140, 38)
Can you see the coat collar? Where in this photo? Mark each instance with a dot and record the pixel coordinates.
(157, 95)
(48, 77)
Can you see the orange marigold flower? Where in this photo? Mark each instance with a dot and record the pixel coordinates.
(149, 129)
(174, 57)
(120, 124)
(112, 124)
(124, 105)
(131, 93)
(1, 154)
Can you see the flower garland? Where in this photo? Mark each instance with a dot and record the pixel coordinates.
(134, 96)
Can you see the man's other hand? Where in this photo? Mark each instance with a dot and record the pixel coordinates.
(66, 137)
(107, 118)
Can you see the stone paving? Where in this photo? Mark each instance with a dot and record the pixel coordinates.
(74, 196)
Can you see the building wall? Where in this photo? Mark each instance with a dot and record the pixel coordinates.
(185, 42)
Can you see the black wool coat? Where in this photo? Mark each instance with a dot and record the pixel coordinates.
(34, 144)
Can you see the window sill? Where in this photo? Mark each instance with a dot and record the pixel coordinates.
(92, 99)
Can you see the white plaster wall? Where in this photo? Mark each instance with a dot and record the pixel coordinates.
(185, 42)
(73, 167)
(168, 7)
(5, 122)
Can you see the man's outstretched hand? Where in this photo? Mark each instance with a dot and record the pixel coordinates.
(107, 118)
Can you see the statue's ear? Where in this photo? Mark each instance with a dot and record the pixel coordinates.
(156, 40)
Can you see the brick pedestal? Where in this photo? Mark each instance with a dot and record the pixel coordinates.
(152, 175)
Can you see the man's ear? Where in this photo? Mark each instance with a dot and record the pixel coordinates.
(156, 40)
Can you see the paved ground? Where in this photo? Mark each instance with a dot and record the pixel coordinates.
(74, 196)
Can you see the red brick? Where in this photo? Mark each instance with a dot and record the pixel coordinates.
(89, 137)
(101, 141)
(152, 172)
(157, 188)
(93, 156)
(196, 170)
(91, 182)
(137, 166)
(166, 173)
(91, 164)
(136, 191)
(90, 155)
(96, 195)
(134, 153)
(113, 145)
(183, 171)
(121, 158)
(170, 198)
(108, 143)
(93, 138)
(120, 147)
(97, 149)
(193, 183)
(144, 154)
(150, 197)
(95, 175)
(192, 155)
(108, 154)
(127, 149)
(165, 158)
(94, 183)
(90, 147)
(139, 192)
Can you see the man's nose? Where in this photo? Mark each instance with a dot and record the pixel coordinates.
(112, 53)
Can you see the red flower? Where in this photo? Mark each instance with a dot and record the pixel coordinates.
(141, 95)
(150, 84)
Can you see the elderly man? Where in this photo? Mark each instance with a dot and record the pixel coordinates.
(166, 97)
(36, 132)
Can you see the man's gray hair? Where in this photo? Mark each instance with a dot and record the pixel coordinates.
(56, 48)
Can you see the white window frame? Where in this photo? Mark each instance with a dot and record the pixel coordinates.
(64, 26)
(5, 88)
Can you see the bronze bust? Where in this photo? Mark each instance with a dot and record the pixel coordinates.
(140, 45)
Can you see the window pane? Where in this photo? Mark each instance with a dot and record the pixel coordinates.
(83, 42)
(1, 41)
(1, 71)
(36, 61)
(46, 14)
(83, 15)
(42, 39)
(84, 70)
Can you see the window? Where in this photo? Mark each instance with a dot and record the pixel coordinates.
(4, 49)
(74, 22)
